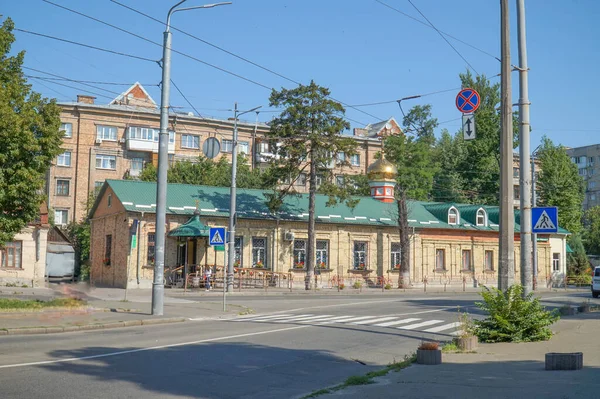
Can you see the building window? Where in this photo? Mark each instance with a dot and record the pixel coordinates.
(582, 172)
(466, 259)
(62, 187)
(592, 184)
(226, 146)
(516, 192)
(10, 255)
(440, 259)
(61, 217)
(396, 252)
(106, 161)
(243, 147)
(341, 157)
(137, 165)
(64, 159)
(480, 217)
(98, 187)
(67, 128)
(151, 246)
(592, 197)
(355, 160)
(109, 200)
(106, 133)
(591, 161)
(340, 180)
(301, 180)
(259, 252)
(360, 255)
(453, 216)
(516, 172)
(556, 262)
(299, 254)
(238, 246)
(489, 260)
(320, 179)
(190, 141)
(322, 254)
(108, 250)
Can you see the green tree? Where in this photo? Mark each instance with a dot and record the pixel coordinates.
(577, 262)
(308, 136)
(448, 182)
(560, 185)
(591, 232)
(30, 139)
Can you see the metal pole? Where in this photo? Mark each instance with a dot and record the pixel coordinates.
(534, 236)
(506, 273)
(232, 203)
(524, 151)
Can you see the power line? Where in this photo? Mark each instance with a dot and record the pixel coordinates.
(71, 87)
(66, 79)
(443, 37)
(185, 98)
(444, 33)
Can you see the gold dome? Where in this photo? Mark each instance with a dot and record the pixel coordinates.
(382, 170)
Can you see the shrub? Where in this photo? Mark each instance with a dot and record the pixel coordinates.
(429, 346)
(512, 318)
(357, 284)
(84, 272)
(342, 286)
(388, 286)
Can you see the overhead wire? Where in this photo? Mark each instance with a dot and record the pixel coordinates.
(67, 79)
(58, 77)
(186, 99)
(71, 87)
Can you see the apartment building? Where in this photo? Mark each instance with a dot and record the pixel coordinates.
(587, 160)
(517, 178)
(116, 141)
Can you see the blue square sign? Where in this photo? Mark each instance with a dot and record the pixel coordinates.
(216, 236)
(544, 220)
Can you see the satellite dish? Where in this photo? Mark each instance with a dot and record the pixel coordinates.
(388, 126)
(211, 147)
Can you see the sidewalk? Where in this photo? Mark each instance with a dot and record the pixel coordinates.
(500, 370)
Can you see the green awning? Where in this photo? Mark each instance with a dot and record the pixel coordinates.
(192, 228)
(569, 249)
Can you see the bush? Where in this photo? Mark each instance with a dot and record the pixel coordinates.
(388, 286)
(342, 286)
(429, 346)
(84, 272)
(357, 284)
(513, 318)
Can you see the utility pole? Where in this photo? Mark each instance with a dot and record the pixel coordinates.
(506, 265)
(524, 150)
(533, 204)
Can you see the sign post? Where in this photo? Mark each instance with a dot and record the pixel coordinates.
(467, 102)
(216, 238)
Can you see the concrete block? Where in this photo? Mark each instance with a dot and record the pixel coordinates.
(564, 361)
(71, 328)
(32, 330)
(429, 357)
(163, 321)
(114, 324)
(52, 330)
(132, 323)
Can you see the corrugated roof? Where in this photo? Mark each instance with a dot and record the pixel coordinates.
(138, 196)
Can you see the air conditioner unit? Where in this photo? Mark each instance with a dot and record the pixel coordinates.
(98, 141)
(289, 236)
(122, 141)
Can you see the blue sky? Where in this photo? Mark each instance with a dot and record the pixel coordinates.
(362, 50)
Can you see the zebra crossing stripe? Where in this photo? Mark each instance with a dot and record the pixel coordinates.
(444, 327)
(394, 323)
(374, 321)
(457, 333)
(280, 318)
(349, 319)
(298, 319)
(258, 318)
(419, 325)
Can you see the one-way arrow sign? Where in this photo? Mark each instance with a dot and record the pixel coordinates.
(468, 122)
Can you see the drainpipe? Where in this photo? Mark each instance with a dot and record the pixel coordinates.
(139, 230)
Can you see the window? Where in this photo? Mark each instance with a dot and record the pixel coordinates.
(301, 180)
(480, 217)
(592, 197)
(592, 184)
(67, 128)
(556, 262)
(106, 161)
(259, 252)
(582, 172)
(109, 200)
(515, 172)
(299, 254)
(151, 245)
(190, 141)
(516, 192)
(466, 259)
(489, 260)
(322, 254)
(226, 146)
(440, 259)
(320, 179)
(64, 159)
(355, 160)
(98, 187)
(238, 246)
(597, 272)
(243, 147)
(108, 250)
(396, 252)
(453, 216)
(360, 255)
(591, 161)
(62, 187)
(10, 255)
(137, 165)
(340, 180)
(106, 133)
(61, 216)
(341, 157)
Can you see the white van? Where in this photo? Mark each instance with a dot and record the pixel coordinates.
(596, 282)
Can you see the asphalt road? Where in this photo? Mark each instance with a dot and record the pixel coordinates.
(288, 348)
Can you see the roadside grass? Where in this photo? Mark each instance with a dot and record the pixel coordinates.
(8, 304)
(365, 379)
(450, 347)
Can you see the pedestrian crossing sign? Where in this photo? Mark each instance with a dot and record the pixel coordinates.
(216, 236)
(544, 220)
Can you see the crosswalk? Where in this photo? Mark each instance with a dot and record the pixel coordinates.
(395, 322)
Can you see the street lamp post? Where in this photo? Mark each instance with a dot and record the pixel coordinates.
(233, 199)
(163, 160)
(534, 257)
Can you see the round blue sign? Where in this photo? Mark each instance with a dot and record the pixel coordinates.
(467, 101)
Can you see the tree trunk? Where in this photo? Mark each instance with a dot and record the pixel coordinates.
(404, 275)
(310, 250)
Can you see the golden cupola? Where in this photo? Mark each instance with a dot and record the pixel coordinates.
(382, 176)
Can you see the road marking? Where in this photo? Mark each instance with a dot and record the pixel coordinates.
(119, 353)
(443, 328)
(255, 318)
(418, 325)
(298, 319)
(457, 333)
(282, 318)
(333, 319)
(350, 319)
(393, 323)
(374, 321)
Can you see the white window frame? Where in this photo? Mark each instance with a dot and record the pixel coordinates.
(243, 147)
(395, 255)
(360, 256)
(259, 253)
(191, 141)
(438, 258)
(300, 180)
(341, 157)
(322, 254)
(299, 254)
(453, 212)
(466, 260)
(488, 259)
(226, 145)
(106, 158)
(355, 160)
(62, 182)
(67, 127)
(481, 213)
(136, 161)
(106, 132)
(556, 261)
(64, 217)
(64, 159)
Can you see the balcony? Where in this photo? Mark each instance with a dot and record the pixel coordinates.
(146, 140)
(265, 157)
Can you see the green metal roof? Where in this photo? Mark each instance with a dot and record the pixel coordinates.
(192, 228)
(138, 196)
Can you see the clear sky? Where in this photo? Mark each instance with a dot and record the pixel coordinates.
(362, 50)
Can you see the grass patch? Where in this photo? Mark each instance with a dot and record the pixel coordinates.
(36, 304)
(450, 347)
(365, 379)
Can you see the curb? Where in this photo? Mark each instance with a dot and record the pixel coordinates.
(88, 327)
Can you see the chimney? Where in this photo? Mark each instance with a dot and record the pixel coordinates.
(81, 98)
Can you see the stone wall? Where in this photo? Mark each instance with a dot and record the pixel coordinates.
(33, 259)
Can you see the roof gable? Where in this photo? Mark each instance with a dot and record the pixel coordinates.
(136, 95)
